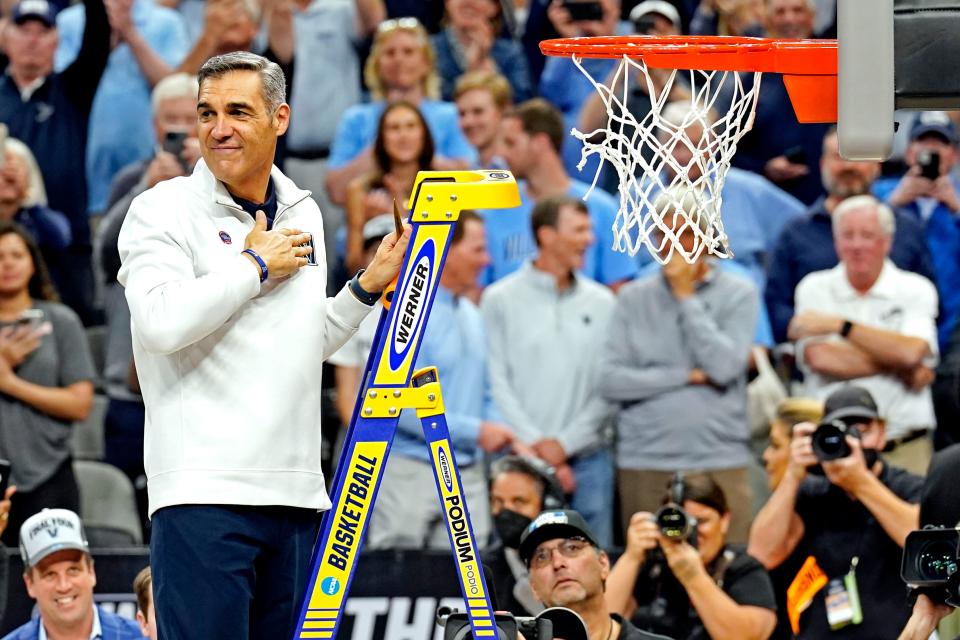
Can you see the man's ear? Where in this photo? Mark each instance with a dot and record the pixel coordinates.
(28, 581)
(281, 119)
(725, 524)
(604, 565)
(142, 621)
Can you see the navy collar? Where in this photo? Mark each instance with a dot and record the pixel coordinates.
(269, 205)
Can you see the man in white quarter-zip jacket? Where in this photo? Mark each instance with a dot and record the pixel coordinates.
(230, 328)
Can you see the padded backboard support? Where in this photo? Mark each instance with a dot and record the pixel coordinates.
(865, 97)
(893, 54)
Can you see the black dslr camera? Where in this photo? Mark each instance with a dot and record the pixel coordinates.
(673, 521)
(931, 559)
(829, 440)
(554, 623)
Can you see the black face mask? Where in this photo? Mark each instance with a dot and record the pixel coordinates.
(510, 525)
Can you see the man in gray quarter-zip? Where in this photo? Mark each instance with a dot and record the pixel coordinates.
(676, 363)
(230, 328)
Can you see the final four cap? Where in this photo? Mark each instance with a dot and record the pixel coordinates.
(50, 531)
(40, 10)
(848, 402)
(551, 525)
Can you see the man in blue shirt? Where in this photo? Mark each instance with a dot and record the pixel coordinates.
(532, 139)
(59, 575)
(407, 513)
(806, 243)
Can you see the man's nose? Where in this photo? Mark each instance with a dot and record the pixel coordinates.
(222, 129)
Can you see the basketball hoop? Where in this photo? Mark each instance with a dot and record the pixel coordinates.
(660, 198)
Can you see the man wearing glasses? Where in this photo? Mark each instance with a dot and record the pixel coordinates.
(849, 524)
(568, 569)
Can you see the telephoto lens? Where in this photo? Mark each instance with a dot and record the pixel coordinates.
(674, 522)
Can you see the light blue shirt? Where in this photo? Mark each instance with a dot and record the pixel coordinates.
(96, 633)
(121, 120)
(454, 342)
(754, 212)
(510, 239)
(358, 130)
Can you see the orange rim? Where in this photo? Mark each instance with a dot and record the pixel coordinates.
(713, 53)
(809, 67)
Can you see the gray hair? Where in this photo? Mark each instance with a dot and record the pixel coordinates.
(885, 215)
(176, 85)
(272, 80)
(683, 202)
(36, 192)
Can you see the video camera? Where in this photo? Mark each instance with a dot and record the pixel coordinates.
(556, 623)
(673, 521)
(829, 440)
(931, 559)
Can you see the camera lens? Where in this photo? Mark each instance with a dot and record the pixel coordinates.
(937, 560)
(829, 441)
(673, 522)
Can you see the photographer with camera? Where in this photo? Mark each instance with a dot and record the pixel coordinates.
(939, 509)
(678, 576)
(852, 520)
(568, 569)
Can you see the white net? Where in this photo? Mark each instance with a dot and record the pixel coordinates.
(673, 160)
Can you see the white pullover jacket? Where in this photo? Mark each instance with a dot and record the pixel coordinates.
(229, 368)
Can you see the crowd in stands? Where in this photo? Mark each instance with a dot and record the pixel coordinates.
(601, 374)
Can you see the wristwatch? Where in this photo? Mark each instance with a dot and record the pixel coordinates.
(845, 329)
(366, 297)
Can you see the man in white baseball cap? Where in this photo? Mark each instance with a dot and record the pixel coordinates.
(59, 574)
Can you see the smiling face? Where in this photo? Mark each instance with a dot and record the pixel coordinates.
(238, 134)
(16, 265)
(402, 135)
(62, 584)
(401, 61)
(479, 117)
(569, 241)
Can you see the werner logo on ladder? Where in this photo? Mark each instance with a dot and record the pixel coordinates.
(390, 385)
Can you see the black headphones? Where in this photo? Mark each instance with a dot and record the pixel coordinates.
(553, 496)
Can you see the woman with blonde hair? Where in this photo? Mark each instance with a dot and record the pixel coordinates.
(401, 66)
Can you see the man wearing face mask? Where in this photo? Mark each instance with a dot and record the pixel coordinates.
(520, 488)
(853, 521)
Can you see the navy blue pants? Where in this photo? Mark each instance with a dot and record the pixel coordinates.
(230, 572)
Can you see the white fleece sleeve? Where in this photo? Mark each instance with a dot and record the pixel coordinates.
(170, 307)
